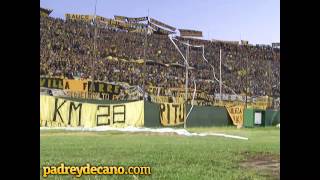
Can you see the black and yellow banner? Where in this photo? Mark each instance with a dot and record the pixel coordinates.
(75, 85)
(42, 13)
(172, 114)
(58, 112)
(160, 30)
(260, 104)
(120, 18)
(160, 94)
(138, 25)
(53, 83)
(82, 88)
(136, 19)
(102, 19)
(236, 114)
(86, 18)
(102, 87)
(120, 24)
(130, 19)
(162, 24)
(79, 85)
(190, 33)
(78, 17)
(166, 99)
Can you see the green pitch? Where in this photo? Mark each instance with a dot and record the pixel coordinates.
(170, 156)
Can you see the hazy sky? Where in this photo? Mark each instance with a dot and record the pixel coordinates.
(257, 21)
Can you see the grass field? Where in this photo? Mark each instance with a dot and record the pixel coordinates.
(170, 156)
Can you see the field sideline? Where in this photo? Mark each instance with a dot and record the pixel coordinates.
(170, 156)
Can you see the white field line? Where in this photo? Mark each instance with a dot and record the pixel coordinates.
(182, 132)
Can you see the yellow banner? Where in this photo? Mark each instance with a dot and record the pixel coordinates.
(172, 114)
(101, 19)
(177, 95)
(78, 17)
(166, 99)
(236, 114)
(91, 95)
(120, 18)
(44, 14)
(159, 29)
(82, 88)
(75, 85)
(54, 83)
(259, 105)
(254, 105)
(58, 112)
(154, 21)
(189, 32)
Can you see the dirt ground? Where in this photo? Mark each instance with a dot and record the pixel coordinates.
(267, 165)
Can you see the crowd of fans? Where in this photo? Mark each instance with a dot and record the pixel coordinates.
(67, 50)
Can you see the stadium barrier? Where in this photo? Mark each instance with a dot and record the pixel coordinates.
(75, 112)
(272, 117)
(204, 116)
(267, 118)
(151, 114)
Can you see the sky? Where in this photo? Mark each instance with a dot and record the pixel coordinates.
(257, 21)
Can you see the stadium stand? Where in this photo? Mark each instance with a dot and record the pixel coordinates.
(66, 51)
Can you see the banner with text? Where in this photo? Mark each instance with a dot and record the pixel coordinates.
(172, 114)
(102, 19)
(166, 99)
(102, 87)
(82, 88)
(123, 25)
(160, 30)
(75, 85)
(130, 19)
(136, 19)
(254, 105)
(58, 112)
(78, 17)
(53, 83)
(190, 33)
(177, 95)
(236, 114)
(120, 18)
(162, 24)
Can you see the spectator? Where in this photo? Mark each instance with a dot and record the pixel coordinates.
(67, 51)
